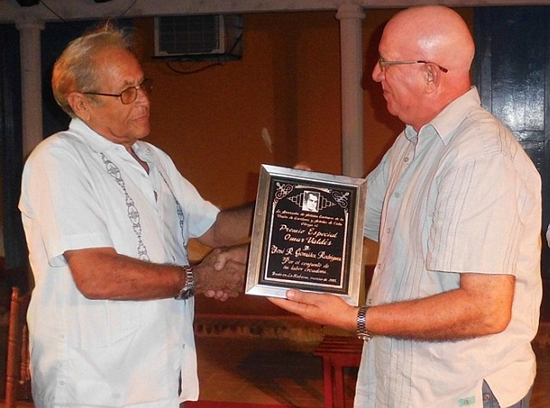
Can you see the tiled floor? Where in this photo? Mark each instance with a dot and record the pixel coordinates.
(279, 373)
(273, 372)
(259, 366)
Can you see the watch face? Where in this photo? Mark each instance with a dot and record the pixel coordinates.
(365, 336)
(186, 294)
(189, 289)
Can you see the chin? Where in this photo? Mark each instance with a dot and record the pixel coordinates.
(391, 110)
(143, 132)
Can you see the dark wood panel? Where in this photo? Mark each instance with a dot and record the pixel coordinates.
(518, 62)
(11, 154)
(511, 70)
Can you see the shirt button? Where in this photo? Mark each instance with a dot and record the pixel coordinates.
(397, 195)
(406, 159)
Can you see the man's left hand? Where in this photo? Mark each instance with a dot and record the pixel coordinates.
(319, 308)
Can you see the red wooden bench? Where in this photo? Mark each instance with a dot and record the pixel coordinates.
(337, 352)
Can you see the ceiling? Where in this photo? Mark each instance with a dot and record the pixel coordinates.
(51, 10)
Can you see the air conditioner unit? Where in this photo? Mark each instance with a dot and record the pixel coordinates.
(196, 37)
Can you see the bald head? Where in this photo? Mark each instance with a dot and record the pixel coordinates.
(425, 58)
(432, 33)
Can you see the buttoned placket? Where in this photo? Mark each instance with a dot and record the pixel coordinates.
(394, 196)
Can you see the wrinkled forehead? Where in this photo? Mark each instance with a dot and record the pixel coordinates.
(118, 66)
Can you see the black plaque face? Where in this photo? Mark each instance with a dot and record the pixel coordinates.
(306, 233)
(307, 236)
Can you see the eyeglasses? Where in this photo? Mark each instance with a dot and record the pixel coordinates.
(383, 63)
(129, 95)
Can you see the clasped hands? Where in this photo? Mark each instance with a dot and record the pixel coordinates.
(221, 273)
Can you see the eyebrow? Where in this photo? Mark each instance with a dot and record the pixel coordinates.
(128, 84)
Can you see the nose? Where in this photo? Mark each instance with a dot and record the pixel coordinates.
(142, 95)
(143, 90)
(377, 73)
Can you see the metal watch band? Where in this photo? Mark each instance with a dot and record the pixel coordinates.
(362, 332)
(188, 289)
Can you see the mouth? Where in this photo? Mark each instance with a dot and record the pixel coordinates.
(143, 118)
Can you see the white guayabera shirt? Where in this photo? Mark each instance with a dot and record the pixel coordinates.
(82, 191)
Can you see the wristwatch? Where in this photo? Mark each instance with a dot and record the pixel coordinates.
(362, 332)
(188, 289)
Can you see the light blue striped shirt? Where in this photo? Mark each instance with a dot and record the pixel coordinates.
(459, 196)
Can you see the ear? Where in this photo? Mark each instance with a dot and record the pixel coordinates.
(80, 105)
(433, 77)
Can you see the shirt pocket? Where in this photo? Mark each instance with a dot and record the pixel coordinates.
(101, 323)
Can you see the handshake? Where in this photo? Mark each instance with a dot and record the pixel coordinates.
(221, 273)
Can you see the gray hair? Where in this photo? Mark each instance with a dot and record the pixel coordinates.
(75, 69)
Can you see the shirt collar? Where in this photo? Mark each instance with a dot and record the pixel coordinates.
(90, 137)
(101, 144)
(447, 121)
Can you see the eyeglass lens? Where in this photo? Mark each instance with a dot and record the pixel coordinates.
(130, 94)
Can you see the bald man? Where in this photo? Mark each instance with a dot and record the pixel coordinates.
(456, 206)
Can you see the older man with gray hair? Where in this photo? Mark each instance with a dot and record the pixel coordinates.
(107, 218)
